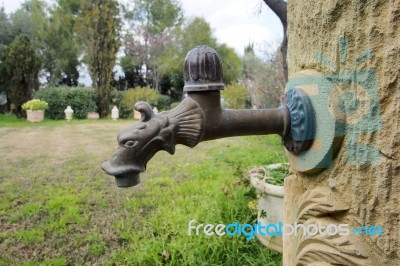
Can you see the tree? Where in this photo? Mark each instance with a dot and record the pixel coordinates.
(99, 26)
(279, 7)
(263, 78)
(50, 30)
(21, 67)
(30, 19)
(132, 71)
(5, 31)
(232, 64)
(70, 6)
(151, 25)
(196, 31)
(59, 46)
(235, 96)
(5, 40)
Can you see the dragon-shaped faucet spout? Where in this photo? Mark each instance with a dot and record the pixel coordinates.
(200, 117)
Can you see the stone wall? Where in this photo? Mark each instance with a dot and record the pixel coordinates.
(362, 184)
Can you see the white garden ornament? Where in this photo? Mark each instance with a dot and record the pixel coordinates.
(68, 113)
(115, 113)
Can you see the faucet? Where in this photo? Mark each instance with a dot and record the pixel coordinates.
(200, 117)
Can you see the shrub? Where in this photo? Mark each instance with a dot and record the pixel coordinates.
(235, 96)
(35, 105)
(163, 102)
(124, 111)
(135, 95)
(81, 100)
(174, 104)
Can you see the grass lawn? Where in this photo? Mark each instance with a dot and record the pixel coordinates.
(57, 207)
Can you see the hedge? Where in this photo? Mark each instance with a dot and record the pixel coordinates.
(82, 100)
(145, 94)
(124, 111)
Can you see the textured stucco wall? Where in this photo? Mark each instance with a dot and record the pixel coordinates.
(362, 190)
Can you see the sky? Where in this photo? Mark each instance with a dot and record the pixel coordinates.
(235, 22)
(238, 22)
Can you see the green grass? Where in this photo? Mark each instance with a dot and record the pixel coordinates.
(10, 120)
(29, 236)
(57, 207)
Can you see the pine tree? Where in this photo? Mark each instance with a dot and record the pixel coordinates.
(21, 68)
(99, 26)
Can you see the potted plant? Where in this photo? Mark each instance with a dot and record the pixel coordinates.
(268, 183)
(35, 110)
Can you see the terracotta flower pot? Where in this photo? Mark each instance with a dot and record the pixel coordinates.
(93, 115)
(35, 116)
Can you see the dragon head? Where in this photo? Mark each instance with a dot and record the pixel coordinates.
(138, 143)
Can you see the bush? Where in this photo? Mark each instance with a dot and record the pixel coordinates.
(163, 102)
(235, 96)
(81, 100)
(174, 104)
(135, 95)
(124, 111)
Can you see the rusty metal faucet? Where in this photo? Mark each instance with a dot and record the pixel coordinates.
(200, 117)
